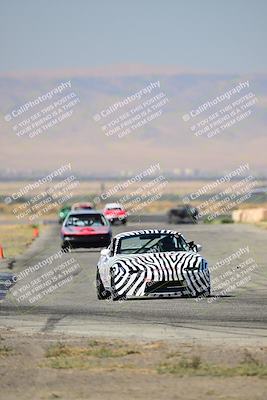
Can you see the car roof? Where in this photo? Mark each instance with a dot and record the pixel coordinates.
(77, 212)
(145, 232)
(82, 204)
(113, 205)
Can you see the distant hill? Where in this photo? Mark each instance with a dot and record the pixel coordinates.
(167, 139)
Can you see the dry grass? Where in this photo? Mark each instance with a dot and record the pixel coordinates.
(88, 191)
(192, 365)
(49, 365)
(15, 239)
(100, 355)
(63, 356)
(195, 367)
(5, 351)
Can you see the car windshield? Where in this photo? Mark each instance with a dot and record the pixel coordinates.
(86, 220)
(151, 243)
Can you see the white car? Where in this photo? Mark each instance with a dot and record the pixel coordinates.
(151, 263)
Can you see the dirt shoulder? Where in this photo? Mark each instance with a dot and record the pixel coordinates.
(49, 366)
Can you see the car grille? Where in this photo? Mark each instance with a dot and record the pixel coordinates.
(89, 238)
(165, 286)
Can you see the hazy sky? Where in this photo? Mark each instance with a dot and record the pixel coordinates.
(212, 35)
(225, 38)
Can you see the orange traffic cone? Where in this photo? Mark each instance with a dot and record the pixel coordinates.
(1, 252)
(35, 232)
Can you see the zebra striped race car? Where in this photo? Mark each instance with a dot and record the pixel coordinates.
(151, 263)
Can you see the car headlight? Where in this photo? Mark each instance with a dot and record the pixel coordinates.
(204, 265)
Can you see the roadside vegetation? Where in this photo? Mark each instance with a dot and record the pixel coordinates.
(5, 351)
(63, 356)
(117, 355)
(48, 365)
(195, 367)
(171, 195)
(15, 238)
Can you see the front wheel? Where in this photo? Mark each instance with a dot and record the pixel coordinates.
(171, 219)
(206, 293)
(114, 294)
(65, 247)
(102, 293)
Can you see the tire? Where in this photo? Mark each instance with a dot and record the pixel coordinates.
(114, 295)
(124, 221)
(203, 294)
(172, 220)
(66, 247)
(102, 293)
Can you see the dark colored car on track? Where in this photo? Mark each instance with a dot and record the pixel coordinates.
(85, 229)
(183, 214)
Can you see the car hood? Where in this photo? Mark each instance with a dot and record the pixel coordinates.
(114, 212)
(165, 260)
(85, 230)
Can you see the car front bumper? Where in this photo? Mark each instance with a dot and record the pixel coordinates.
(87, 241)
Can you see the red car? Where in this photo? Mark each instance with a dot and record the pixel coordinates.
(115, 213)
(85, 228)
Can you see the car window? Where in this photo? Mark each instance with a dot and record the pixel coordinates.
(84, 220)
(152, 243)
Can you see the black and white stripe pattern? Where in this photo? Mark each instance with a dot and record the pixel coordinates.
(131, 274)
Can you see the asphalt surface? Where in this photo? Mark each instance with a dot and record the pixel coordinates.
(236, 311)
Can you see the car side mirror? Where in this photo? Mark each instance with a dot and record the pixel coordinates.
(195, 247)
(105, 252)
(198, 247)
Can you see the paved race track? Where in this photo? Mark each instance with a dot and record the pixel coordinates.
(239, 315)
